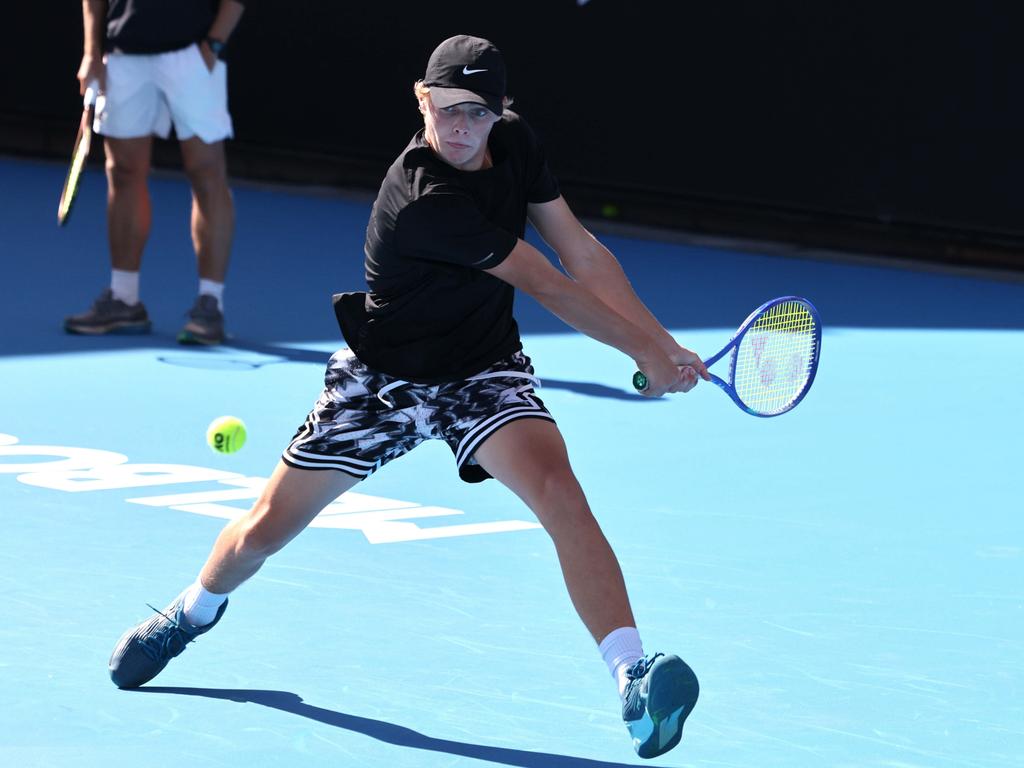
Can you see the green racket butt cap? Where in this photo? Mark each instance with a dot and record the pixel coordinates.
(640, 381)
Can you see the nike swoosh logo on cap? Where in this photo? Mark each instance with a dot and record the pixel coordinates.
(467, 71)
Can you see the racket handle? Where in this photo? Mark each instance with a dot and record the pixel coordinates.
(640, 382)
(92, 90)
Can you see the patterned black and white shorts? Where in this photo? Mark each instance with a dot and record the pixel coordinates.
(365, 418)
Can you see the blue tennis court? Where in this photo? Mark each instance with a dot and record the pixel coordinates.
(847, 580)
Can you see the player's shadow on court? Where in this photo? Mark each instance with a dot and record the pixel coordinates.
(387, 732)
(271, 354)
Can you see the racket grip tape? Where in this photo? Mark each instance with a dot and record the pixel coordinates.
(640, 381)
(92, 90)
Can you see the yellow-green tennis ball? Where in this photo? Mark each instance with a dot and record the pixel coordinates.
(226, 434)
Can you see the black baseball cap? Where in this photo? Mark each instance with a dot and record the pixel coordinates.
(465, 68)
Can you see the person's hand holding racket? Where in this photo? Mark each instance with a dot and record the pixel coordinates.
(91, 72)
(773, 357)
(692, 369)
(83, 141)
(682, 375)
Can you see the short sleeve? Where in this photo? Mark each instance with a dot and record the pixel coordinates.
(541, 184)
(449, 227)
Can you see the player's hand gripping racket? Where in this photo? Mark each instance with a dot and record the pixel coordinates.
(79, 155)
(773, 357)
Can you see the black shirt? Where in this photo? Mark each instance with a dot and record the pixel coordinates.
(432, 313)
(157, 26)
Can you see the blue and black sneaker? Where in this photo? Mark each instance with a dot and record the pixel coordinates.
(659, 696)
(109, 315)
(205, 323)
(143, 651)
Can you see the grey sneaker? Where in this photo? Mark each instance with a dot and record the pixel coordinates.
(661, 693)
(109, 315)
(205, 323)
(144, 650)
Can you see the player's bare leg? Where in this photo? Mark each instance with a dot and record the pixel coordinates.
(529, 457)
(129, 211)
(213, 227)
(213, 209)
(118, 309)
(659, 692)
(288, 503)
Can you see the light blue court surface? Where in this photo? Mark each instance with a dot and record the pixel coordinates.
(847, 580)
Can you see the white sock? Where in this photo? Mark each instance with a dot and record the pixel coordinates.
(621, 649)
(124, 285)
(212, 288)
(201, 605)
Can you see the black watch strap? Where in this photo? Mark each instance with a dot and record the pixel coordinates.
(217, 46)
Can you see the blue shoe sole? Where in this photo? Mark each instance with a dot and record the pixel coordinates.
(672, 694)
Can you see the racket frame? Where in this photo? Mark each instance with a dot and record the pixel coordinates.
(737, 338)
(70, 190)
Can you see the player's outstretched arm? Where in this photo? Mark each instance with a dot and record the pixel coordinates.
(528, 269)
(594, 267)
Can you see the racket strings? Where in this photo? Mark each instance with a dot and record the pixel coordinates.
(774, 361)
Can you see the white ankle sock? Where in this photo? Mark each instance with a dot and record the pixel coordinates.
(124, 285)
(201, 605)
(212, 288)
(621, 649)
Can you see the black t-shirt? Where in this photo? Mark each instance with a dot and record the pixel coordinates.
(432, 313)
(157, 26)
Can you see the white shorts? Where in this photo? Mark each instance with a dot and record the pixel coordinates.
(145, 93)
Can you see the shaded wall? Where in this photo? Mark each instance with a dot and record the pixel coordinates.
(889, 127)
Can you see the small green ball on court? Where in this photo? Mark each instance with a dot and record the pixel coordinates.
(226, 434)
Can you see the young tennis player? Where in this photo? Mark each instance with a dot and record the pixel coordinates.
(434, 353)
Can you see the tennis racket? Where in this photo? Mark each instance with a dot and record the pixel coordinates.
(79, 155)
(773, 357)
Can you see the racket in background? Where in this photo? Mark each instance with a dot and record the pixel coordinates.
(79, 155)
(773, 357)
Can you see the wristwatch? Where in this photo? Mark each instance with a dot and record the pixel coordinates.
(217, 46)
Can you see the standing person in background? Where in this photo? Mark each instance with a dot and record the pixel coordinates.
(158, 64)
(434, 353)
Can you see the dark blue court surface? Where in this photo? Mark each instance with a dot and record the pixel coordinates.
(847, 580)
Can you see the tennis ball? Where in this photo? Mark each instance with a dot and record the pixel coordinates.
(610, 210)
(226, 434)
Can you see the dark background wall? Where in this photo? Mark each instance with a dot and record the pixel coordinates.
(891, 127)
